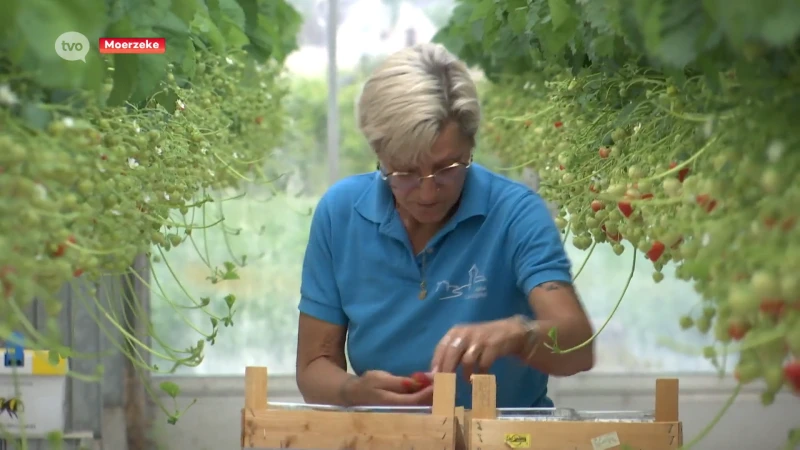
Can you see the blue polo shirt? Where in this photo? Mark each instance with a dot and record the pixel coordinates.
(360, 271)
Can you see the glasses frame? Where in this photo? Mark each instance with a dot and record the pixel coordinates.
(387, 176)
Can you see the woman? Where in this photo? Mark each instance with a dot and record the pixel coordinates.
(432, 263)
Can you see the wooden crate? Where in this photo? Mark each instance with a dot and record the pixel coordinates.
(486, 432)
(446, 427)
(265, 427)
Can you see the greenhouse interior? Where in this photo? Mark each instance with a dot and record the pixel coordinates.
(168, 169)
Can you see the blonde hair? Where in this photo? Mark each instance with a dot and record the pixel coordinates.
(410, 96)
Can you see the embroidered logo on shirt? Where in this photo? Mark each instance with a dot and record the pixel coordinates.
(474, 289)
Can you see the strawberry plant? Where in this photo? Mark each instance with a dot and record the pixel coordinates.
(121, 156)
(669, 125)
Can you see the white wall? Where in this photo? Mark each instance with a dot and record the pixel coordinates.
(213, 423)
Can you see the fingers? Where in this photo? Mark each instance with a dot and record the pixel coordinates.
(391, 383)
(471, 359)
(478, 358)
(469, 347)
(423, 397)
(449, 351)
(379, 388)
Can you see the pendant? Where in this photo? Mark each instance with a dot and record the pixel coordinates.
(423, 293)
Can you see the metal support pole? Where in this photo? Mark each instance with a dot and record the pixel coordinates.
(333, 91)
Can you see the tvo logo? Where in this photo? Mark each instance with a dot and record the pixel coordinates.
(72, 46)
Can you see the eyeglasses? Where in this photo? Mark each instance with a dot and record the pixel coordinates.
(406, 181)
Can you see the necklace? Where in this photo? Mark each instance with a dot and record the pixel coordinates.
(423, 286)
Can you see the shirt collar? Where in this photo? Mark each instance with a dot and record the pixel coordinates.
(376, 204)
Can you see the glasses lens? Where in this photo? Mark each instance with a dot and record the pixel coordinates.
(404, 182)
(449, 175)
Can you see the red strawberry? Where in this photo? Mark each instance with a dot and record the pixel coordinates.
(737, 330)
(417, 381)
(681, 173)
(706, 202)
(597, 205)
(62, 248)
(791, 372)
(422, 379)
(771, 306)
(625, 208)
(656, 251)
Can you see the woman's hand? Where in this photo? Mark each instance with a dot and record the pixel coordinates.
(476, 346)
(379, 388)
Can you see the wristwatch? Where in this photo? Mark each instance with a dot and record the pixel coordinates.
(531, 335)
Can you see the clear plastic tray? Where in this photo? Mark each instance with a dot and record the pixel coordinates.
(392, 409)
(374, 409)
(617, 416)
(303, 407)
(537, 414)
(514, 414)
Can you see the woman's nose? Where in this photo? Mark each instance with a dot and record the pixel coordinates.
(428, 190)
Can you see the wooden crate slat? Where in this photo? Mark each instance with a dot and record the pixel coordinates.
(347, 430)
(491, 435)
(357, 442)
(276, 420)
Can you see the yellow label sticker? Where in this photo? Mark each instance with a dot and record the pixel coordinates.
(514, 440)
